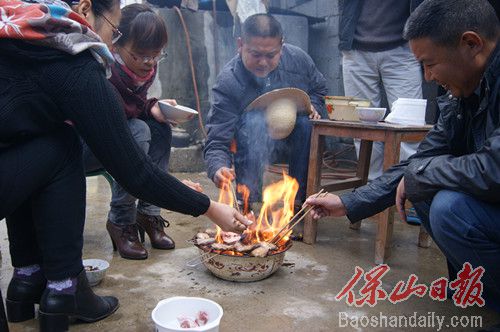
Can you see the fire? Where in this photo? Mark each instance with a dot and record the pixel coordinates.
(277, 209)
(245, 193)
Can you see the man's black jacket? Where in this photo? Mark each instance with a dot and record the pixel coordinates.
(461, 153)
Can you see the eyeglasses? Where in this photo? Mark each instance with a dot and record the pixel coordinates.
(116, 33)
(147, 59)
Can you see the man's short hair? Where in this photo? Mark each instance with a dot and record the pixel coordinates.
(444, 21)
(261, 25)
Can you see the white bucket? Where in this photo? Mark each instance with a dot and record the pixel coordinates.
(167, 311)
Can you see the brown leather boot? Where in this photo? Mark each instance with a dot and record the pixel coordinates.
(153, 225)
(125, 239)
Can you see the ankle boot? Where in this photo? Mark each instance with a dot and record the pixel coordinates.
(125, 239)
(56, 308)
(21, 297)
(153, 225)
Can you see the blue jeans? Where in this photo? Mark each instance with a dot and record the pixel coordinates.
(466, 230)
(255, 147)
(153, 138)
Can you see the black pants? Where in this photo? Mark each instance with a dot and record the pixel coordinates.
(42, 196)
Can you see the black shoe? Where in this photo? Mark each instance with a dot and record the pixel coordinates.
(56, 309)
(21, 298)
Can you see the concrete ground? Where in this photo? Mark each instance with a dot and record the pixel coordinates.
(300, 296)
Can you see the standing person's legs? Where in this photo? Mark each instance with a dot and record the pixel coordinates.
(362, 80)
(44, 177)
(252, 152)
(148, 215)
(402, 78)
(123, 208)
(121, 224)
(466, 230)
(159, 152)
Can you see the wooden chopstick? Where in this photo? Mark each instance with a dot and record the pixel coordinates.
(292, 219)
(299, 220)
(234, 197)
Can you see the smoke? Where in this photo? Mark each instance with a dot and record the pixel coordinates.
(254, 151)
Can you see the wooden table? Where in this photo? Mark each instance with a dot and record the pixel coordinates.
(392, 135)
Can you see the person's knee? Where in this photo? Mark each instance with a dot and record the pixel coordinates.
(140, 130)
(303, 122)
(303, 128)
(446, 213)
(162, 130)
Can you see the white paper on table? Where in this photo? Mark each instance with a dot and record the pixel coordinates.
(407, 111)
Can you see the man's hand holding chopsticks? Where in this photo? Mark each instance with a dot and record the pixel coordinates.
(325, 206)
(224, 175)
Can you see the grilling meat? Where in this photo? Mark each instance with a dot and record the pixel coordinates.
(222, 246)
(263, 249)
(240, 247)
(230, 237)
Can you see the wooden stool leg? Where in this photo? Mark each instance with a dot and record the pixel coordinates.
(424, 239)
(313, 182)
(386, 221)
(383, 242)
(365, 153)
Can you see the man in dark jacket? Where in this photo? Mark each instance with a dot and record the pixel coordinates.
(454, 178)
(263, 64)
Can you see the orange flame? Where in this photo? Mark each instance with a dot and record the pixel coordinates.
(232, 147)
(245, 193)
(277, 208)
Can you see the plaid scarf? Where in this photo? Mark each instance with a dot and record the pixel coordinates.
(52, 23)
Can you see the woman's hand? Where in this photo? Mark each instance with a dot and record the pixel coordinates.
(193, 185)
(227, 218)
(158, 114)
(329, 205)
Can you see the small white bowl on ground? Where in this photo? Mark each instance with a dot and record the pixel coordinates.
(166, 313)
(95, 269)
(370, 114)
(179, 113)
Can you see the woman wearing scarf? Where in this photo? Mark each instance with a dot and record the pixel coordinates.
(53, 88)
(137, 54)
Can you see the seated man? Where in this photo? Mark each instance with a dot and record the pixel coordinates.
(454, 178)
(264, 63)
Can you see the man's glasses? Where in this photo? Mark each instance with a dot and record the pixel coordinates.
(147, 59)
(116, 33)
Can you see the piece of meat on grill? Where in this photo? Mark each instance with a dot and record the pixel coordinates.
(230, 237)
(202, 236)
(270, 246)
(211, 232)
(263, 249)
(205, 242)
(260, 252)
(222, 246)
(240, 247)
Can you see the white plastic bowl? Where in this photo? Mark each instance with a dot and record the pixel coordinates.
(179, 113)
(167, 311)
(96, 276)
(370, 114)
